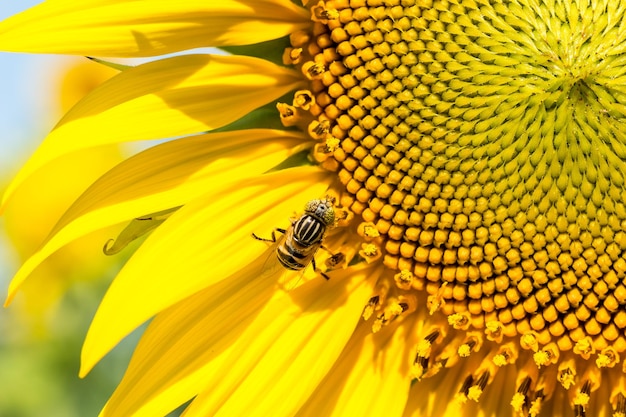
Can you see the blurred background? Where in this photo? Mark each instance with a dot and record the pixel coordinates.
(41, 333)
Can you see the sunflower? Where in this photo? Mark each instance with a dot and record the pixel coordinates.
(472, 153)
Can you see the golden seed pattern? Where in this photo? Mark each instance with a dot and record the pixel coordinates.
(481, 138)
(483, 145)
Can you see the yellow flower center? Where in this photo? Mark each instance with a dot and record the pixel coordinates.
(485, 143)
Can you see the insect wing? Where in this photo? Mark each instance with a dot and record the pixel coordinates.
(271, 265)
(274, 270)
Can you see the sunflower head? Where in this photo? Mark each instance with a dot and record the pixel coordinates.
(475, 152)
(485, 142)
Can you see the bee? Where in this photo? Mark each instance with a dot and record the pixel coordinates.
(304, 237)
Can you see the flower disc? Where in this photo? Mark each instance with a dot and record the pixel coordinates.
(482, 139)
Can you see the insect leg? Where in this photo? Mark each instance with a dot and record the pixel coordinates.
(319, 271)
(273, 239)
(335, 258)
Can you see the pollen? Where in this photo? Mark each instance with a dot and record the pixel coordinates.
(403, 279)
(482, 145)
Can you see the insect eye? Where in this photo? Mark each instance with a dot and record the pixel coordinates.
(311, 206)
(328, 216)
(322, 209)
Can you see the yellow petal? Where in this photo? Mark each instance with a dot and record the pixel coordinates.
(169, 365)
(245, 338)
(306, 337)
(171, 97)
(34, 211)
(78, 79)
(147, 27)
(370, 378)
(161, 177)
(201, 244)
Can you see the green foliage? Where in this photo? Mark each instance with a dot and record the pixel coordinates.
(39, 373)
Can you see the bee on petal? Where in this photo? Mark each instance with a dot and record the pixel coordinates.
(297, 248)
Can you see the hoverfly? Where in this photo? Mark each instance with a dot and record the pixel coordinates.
(304, 237)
